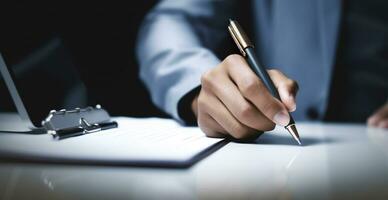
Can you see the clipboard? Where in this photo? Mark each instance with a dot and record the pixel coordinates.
(130, 145)
(63, 123)
(70, 123)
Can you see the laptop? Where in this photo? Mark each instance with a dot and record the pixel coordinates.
(41, 78)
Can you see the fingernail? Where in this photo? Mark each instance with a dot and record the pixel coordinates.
(281, 118)
(292, 109)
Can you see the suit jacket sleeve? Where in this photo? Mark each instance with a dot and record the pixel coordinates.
(175, 47)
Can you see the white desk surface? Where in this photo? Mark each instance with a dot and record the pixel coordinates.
(337, 161)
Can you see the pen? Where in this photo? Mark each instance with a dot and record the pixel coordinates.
(246, 48)
(77, 131)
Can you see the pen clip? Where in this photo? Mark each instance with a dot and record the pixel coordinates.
(239, 36)
(236, 41)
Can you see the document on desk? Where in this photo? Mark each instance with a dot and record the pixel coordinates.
(147, 141)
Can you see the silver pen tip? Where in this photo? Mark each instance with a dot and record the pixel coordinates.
(294, 132)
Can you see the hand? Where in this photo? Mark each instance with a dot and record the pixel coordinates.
(380, 117)
(233, 101)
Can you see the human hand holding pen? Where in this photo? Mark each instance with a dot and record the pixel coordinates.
(234, 101)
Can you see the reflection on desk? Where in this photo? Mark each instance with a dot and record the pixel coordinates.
(337, 161)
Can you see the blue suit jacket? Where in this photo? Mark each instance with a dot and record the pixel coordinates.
(177, 40)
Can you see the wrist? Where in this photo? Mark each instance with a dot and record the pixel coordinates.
(194, 106)
(187, 107)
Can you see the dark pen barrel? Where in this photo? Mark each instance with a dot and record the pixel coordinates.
(261, 72)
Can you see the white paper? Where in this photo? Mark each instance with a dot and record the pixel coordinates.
(148, 139)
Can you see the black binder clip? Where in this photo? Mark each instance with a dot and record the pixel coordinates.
(70, 123)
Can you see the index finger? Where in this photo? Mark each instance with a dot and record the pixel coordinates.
(255, 91)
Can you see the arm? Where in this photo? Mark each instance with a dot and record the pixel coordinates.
(175, 53)
(175, 47)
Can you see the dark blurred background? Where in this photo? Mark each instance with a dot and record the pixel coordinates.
(97, 40)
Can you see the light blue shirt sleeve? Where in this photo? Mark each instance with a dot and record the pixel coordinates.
(175, 47)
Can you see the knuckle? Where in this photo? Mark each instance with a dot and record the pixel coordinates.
(236, 130)
(240, 132)
(246, 112)
(293, 82)
(250, 86)
(232, 58)
(291, 85)
(207, 128)
(270, 107)
(207, 80)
